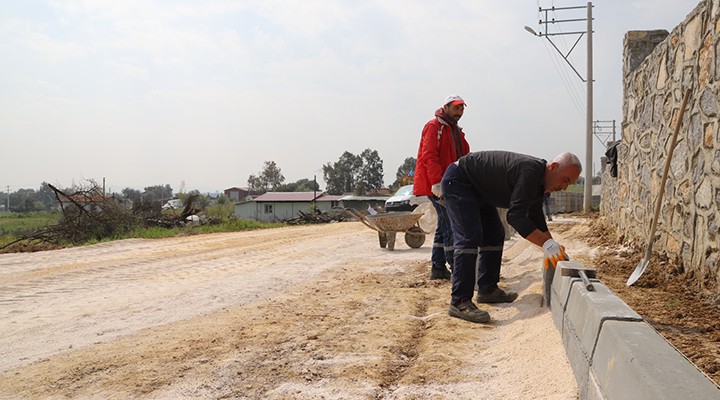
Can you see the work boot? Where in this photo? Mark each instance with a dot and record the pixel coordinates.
(439, 272)
(496, 296)
(468, 311)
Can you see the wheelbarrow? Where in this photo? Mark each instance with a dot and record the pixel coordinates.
(389, 224)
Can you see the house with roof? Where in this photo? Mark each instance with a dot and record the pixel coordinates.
(282, 206)
(241, 193)
(91, 202)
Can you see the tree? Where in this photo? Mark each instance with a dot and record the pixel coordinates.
(303, 185)
(405, 173)
(157, 193)
(256, 183)
(270, 178)
(370, 175)
(23, 200)
(46, 197)
(132, 194)
(199, 201)
(307, 185)
(28, 200)
(351, 173)
(340, 176)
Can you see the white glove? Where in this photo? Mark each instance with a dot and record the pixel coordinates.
(554, 252)
(552, 248)
(436, 190)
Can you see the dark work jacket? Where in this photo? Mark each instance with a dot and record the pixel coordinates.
(611, 154)
(509, 180)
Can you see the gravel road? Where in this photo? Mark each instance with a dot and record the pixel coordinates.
(304, 312)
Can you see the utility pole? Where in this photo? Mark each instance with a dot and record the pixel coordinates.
(587, 197)
(603, 130)
(7, 208)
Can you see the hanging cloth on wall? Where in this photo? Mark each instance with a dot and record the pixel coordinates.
(611, 154)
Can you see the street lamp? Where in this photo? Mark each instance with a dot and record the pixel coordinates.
(587, 198)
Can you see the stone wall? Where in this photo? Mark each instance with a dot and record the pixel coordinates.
(657, 69)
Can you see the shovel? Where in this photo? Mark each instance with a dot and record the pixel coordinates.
(648, 252)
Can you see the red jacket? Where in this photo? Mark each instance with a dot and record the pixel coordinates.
(436, 152)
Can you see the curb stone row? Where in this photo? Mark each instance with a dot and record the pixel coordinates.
(613, 352)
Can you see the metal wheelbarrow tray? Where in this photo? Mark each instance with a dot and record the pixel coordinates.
(389, 224)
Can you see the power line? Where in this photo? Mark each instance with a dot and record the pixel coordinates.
(577, 89)
(604, 131)
(544, 33)
(562, 72)
(570, 84)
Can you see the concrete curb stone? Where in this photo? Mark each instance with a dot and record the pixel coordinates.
(613, 352)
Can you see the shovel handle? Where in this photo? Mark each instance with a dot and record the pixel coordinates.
(658, 202)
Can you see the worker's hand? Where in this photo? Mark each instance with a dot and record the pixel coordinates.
(554, 252)
(437, 190)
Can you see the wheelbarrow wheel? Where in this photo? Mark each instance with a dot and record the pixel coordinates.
(415, 237)
(382, 238)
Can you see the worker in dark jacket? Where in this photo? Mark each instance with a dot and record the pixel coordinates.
(473, 188)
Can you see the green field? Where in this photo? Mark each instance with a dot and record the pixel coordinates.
(575, 188)
(21, 223)
(16, 225)
(233, 225)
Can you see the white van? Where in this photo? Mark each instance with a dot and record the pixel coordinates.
(404, 200)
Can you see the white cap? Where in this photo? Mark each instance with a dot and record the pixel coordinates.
(455, 100)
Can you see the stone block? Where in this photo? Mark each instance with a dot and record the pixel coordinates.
(579, 361)
(632, 361)
(560, 291)
(586, 311)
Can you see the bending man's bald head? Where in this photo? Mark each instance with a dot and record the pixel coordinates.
(568, 159)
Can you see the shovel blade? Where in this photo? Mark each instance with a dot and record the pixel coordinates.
(638, 271)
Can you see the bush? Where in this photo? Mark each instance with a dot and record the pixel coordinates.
(220, 213)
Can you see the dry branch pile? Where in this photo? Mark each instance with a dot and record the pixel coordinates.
(318, 217)
(88, 214)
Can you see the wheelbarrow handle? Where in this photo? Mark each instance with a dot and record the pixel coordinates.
(360, 217)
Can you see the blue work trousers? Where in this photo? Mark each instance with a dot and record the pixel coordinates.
(442, 250)
(478, 235)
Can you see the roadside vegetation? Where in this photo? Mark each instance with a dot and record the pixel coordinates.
(24, 222)
(87, 217)
(576, 188)
(230, 225)
(50, 218)
(14, 227)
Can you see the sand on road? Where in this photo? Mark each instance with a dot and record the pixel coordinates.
(306, 312)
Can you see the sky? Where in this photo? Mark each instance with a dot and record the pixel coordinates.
(200, 94)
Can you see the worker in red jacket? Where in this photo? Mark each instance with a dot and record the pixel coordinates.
(442, 143)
